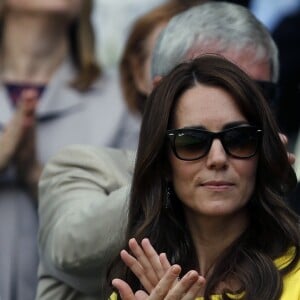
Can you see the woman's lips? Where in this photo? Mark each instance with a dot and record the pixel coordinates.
(217, 185)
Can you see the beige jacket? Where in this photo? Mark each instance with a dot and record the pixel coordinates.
(82, 213)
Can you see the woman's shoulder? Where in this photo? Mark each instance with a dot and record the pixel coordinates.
(291, 280)
(291, 284)
(113, 297)
(293, 275)
(285, 259)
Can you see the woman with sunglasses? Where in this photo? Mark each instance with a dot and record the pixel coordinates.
(208, 194)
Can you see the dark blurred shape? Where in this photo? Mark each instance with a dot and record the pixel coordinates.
(294, 199)
(240, 2)
(287, 38)
(271, 92)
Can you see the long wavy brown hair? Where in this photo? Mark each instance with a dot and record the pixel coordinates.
(273, 226)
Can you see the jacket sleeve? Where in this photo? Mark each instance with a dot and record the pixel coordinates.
(83, 195)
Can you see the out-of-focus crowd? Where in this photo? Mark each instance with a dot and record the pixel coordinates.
(70, 128)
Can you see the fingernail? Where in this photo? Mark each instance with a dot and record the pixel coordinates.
(146, 241)
(201, 280)
(175, 269)
(192, 275)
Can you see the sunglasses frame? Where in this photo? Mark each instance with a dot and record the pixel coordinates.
(172, 133)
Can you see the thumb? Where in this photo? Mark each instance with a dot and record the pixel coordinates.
(124, 289)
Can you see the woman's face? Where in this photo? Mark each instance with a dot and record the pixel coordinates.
(70, 7)
(217, 184)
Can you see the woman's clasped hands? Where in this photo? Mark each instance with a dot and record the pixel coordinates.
(15, 133)
(159, 278)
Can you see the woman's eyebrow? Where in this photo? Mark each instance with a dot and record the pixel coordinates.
(195, 127)
(225, 126)
(234, 124)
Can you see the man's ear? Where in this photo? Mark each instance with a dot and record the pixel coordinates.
(156, 80)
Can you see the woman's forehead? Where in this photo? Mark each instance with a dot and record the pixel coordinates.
(206, 106)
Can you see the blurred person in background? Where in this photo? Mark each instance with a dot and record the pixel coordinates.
(91, 185)
(52, 94)
(135, 62)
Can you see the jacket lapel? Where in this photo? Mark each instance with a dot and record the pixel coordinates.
(58, 98)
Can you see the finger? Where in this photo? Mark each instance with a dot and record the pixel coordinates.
(144, 261)
(153, 258)
(27, 106)
(14, 132)
(124, 289)
(141, 295)
(28, 97)
(195, 289)
(291, 158)
(164, 261)
(163, 287)
(180, 288)
(25, 113)
(283, 138)
(137, 269)
(187, 287)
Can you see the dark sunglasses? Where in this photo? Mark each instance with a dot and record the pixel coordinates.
(193, 143)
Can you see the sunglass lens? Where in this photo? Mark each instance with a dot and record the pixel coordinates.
(241, 142)
(190, 146)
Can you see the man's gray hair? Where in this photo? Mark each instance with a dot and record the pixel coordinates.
(214, 27)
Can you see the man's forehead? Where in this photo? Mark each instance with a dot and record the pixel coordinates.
(256, 68)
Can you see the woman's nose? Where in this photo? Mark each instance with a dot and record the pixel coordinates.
(217, 156)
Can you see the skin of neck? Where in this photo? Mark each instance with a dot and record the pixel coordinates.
(33, 46)
(212, 235)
